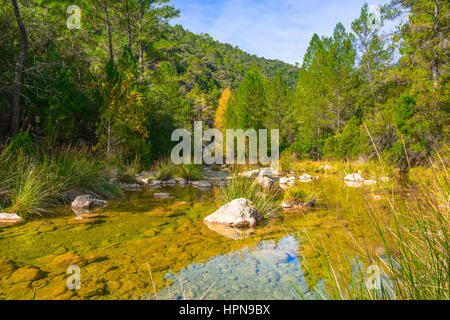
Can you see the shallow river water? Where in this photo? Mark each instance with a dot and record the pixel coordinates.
(140, 245)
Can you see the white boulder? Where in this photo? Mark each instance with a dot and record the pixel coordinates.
(88, 202)
(354, 177)
(9, 217)
(203, 184)
(237, 213)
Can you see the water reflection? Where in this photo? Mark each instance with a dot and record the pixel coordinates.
(270, 270)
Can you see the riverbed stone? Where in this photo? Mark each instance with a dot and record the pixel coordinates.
(181, 181)
(9, 217)
(61, 262)
(354, 177)
(130, 186)
(170, 182)
(229, 232)
(286, 205)
(306, 178)
(6, 268)
(155, 183)
(26, 274)
(249, 174)
(266, 172)
(88, 202)
(203, 184)
(237, 213)
(265, 182)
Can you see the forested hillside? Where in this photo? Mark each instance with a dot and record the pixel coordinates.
(122, 82)
(361, 94)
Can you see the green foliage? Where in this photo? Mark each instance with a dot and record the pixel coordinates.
(164, 169)
(349, 144)
(31, 183)
(247, 108)
(189, 172)
(300, 194)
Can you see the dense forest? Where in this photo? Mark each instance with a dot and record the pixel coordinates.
(126, 78)
(123, 81)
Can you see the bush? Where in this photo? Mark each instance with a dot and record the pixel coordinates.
(190, 172)
(32, 183)
(164, 169)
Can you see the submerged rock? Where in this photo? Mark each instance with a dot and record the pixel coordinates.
(229, 232)
(88, 202)
(10, 217)
(26, 274)
(237, 213)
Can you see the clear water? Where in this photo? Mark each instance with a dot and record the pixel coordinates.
(138, 244)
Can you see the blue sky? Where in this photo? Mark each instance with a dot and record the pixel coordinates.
(274, 29)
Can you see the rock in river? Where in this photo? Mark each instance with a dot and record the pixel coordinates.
(9, 217)
(265, 182)
(354, 177)
(201, 184)
(237, 213)
(87, 202)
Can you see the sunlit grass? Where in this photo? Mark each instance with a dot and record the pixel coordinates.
(31, 183)
(264, 200)
(406, 249)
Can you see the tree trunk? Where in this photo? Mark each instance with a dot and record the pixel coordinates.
(435, 67)
(108, 143)
(128, 26)
(15, 114)
(108, 29)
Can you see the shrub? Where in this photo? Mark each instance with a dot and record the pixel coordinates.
(190, 172)
(300, 194)
(164, 169)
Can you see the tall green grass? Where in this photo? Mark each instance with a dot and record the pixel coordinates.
(264, 200)
(32, 182)
(164, 169)
(190, 172)
(414, 261)
(301, 194)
